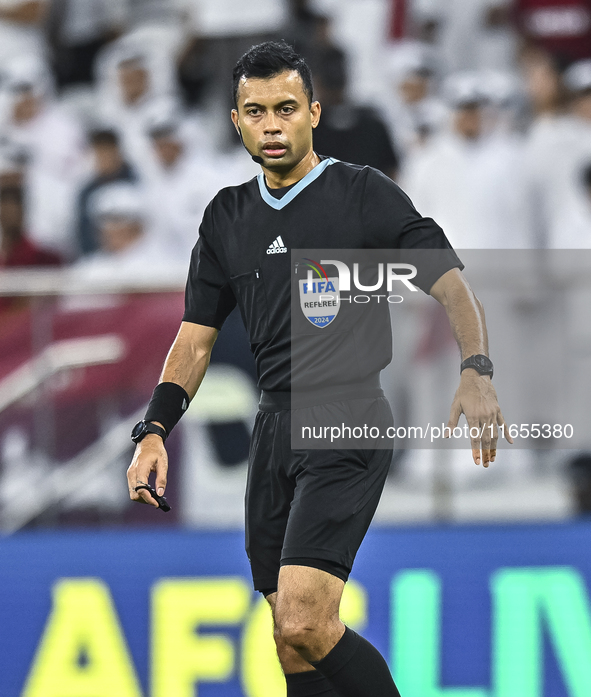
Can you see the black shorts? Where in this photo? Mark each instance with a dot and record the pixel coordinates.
(307, 507)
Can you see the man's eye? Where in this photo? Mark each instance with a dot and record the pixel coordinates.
(287, 109)
(253, 112)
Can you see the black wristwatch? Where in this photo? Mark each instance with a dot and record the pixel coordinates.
(481, 363)
(142, 428)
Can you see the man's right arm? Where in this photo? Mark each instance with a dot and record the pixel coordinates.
(185, 365)
(189, 356)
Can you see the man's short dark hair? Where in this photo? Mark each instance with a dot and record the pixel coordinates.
(103, 136)
(163, 130)
(133, 63)
(330, 68)
(12, 194)
(268, 60)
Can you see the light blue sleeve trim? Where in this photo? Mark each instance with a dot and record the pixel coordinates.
(279, 203)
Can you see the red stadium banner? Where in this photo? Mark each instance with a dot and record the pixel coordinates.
(72, 368)
(562, 27)
(398, 20)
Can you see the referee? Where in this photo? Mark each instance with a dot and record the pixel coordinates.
(307, 511)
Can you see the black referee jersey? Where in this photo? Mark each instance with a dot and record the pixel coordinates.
(242, 255)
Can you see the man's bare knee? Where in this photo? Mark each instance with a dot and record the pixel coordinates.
(290, 659)
(286, 631)
(272, 599)
(307, 610)
(297, 634)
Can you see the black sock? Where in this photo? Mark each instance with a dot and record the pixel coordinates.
(355, 668)
(309, 684)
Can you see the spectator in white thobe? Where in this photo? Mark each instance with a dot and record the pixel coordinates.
(130, 81)
(51, 140)
(77, 30)
(412, 109)
(558, 155)
(183, 183)
(470, 34)
(573, 226)
(469, 178)
(129, 246)
(21, 28)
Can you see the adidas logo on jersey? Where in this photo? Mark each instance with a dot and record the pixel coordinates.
(277, 247)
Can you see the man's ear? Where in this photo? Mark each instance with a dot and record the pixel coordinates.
(235, 120)
(315, 110)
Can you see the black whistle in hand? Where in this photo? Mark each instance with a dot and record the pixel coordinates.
(162, 502)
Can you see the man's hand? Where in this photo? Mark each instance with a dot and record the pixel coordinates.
(185, 364)
(476, 396)
(150, 456)
(477, 399)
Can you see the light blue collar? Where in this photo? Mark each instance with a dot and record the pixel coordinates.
(279, 203)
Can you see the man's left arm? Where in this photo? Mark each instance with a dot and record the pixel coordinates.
(475, 397)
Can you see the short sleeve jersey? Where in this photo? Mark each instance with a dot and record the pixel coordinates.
(335, 206)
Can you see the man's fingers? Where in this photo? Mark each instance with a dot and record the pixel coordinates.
(501, 422)
(487, 431)
(493, 443)
(454, 415)
(474, 430)
(146, 496)
(135, 497)
(132, 482)
(138, 497)
(141, 495)
(161, 477)
(138, 474)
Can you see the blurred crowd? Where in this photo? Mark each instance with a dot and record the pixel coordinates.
(115, 134)
(115, 129)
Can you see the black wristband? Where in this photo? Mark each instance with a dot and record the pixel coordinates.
(169, 402)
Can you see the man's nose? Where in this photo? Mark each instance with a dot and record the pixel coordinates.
(272, 124)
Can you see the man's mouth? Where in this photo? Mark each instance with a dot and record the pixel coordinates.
(274, 149)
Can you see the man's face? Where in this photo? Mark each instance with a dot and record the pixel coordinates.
(107, 159)
(168, 150)
(276, 119)
(468, 121)
(414, 88)
(11, 215)
(582, 105)
(134, 81)
(26, 106)
(117, 234)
